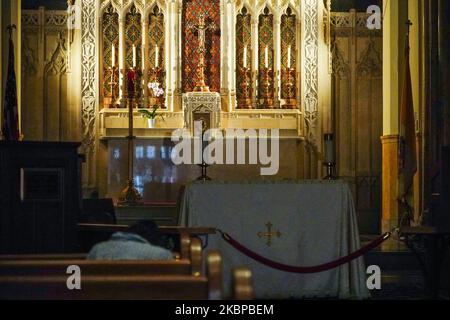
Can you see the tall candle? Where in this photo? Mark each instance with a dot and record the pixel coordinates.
(245, 57)
(329, 148)
(134, 56)
(289, 57)
(266, 57)
(113, 55)
(156, 56)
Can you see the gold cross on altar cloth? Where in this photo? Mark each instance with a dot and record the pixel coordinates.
(269, 234)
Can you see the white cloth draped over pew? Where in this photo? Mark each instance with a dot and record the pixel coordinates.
(311, 223)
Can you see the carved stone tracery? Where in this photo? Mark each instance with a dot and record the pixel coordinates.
(88, 69)
(311, 69)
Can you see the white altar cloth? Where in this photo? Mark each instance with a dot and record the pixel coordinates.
(316, 221)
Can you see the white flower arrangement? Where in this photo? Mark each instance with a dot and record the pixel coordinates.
(156, 89)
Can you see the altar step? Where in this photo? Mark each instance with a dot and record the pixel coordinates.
(392, 255)
(401, 275)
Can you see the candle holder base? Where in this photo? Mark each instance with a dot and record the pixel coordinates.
(245, 104)
(290, 104)
(330, 171)
(266, 104)
(114, 103)
(130, 196)
(201, 88)
(204, 171)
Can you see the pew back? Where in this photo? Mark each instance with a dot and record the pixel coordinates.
(174, 279)
(88, 267)
(56, 265)
(174, 287)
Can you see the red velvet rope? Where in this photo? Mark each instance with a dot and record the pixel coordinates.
(296, 269)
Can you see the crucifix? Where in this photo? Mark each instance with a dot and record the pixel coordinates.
(201, 29)
(269, 234)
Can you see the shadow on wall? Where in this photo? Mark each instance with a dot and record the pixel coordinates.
(359, 5)
(48, 4)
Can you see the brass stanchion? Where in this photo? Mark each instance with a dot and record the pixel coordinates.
(130, 195)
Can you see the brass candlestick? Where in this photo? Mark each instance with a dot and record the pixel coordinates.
(204, 166)
(130, 196)
(113, 81)
(266, 92)
(137, 87)
(245, 101)
(290, 101)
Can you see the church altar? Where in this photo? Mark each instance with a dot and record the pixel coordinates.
(269, 61)
(263, 216)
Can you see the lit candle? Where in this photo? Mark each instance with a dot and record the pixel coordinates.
(134, 56)
(245, 57)
(289, 57)
(156, 56)
(266, 57)
(113, 55)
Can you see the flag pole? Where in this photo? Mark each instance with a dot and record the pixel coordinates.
(404, 137)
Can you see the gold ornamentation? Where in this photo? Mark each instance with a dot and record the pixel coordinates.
(245, 101)
(201, 29)
(269, 234)
(266, 101)
(290, 101)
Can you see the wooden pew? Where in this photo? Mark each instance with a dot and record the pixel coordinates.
(41, 266)
(242, 284)
(21, 257)
(171, 287)
(91, 234)
(40, 278)
(185, 242)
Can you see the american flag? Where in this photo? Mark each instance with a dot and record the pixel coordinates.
(407, 157)
(10, 124)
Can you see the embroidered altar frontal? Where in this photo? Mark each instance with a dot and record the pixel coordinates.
(294, 223)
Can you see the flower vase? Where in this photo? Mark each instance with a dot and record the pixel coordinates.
(151, 123)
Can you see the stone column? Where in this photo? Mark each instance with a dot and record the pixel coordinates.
(122, 57)
(232, 56)
(394, 31)
(255, 60)
(168, 53)
(227, 53)
(298, 59)
(277, 57)
(224, 45)
(177, 54)
(145, 51)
